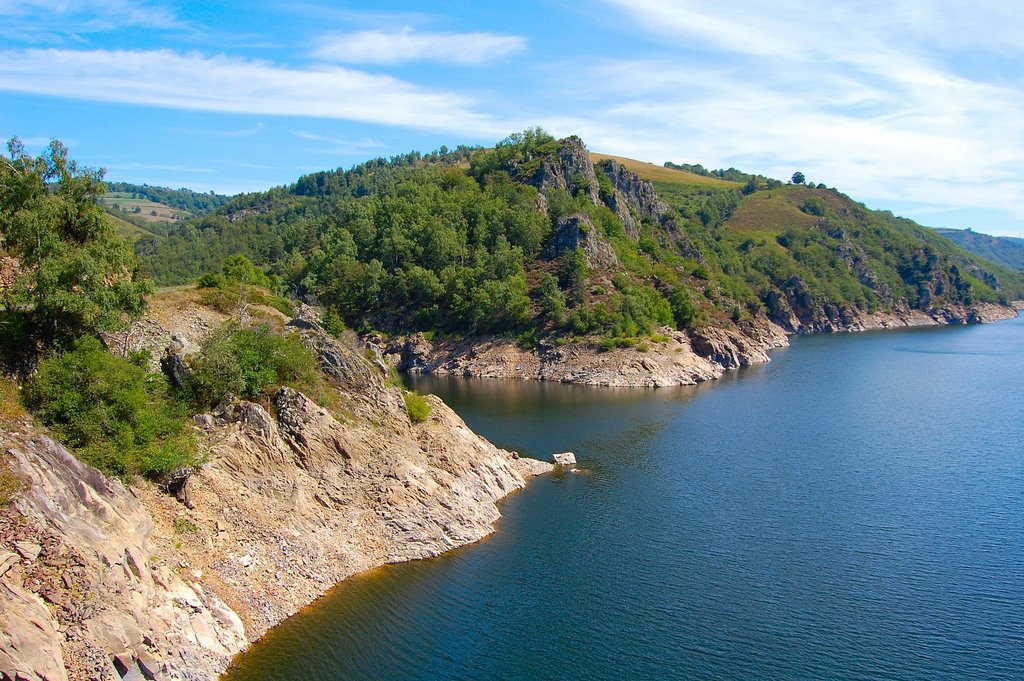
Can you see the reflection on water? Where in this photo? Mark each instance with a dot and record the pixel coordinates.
(852, 510)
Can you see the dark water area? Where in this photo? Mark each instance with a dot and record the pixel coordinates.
(852, 510)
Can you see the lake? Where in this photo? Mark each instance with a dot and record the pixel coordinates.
(852, 510)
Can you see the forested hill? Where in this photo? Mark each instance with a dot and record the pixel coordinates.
(196, 203)
(536, 237)
(1003, 250)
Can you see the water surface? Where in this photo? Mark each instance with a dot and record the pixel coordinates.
(854, 510)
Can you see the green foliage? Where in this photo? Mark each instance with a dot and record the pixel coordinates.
(684, 312)
(798, 178)
(241, 270)
(813, 206)
(333, 323)
(527, 340)
(76, 276)
(250, 363)
(240, 283)
(552, 299)
(417, 407)
(115, 416)
(196, 203)
(425, 243)
(185, 526)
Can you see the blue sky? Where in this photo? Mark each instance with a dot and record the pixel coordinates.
(908, 105)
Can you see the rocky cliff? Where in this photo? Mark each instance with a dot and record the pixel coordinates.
(679, 358)
(102, 580)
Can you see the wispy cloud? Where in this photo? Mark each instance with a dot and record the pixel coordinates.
(193, 81)
(408, 45)
(49, 20)
(337, 145)
(855, 96)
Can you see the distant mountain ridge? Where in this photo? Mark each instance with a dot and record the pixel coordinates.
(1003, 250)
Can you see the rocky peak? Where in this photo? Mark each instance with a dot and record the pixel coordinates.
(570, 169)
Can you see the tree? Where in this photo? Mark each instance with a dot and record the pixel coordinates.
(75, 276)
(798, 177)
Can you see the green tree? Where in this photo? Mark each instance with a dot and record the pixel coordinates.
(552, 300)
(116, 417)
(76, 277)
(798, 177)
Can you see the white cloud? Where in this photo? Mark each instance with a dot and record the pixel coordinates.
(166, 79)
(48, 19)
(407, 45)
(331, 144)
(860, 97)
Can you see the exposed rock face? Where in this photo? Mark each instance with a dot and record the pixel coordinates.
(98, 587)
(98, 580)
(681, 360)
(577, 231)
(633, 196)
(798, 311)
(571, 169)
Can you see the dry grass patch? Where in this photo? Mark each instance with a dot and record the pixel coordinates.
(655, 173)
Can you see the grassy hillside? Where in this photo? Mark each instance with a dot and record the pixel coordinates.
(530, 238)
(123, 204)
(185, 201)
(1003, 250)
(668, 176)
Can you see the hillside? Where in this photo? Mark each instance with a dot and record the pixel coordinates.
(169, 578)
(1002, 250)
(141, 210)
(184, 201)
(533, 240)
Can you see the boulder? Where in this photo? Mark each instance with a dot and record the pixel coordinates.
(565, 459)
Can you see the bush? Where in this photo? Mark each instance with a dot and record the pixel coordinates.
(251, 363)
(417, 407)
(111, 412)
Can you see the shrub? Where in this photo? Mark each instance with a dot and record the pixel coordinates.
(10, 483)
(417, 407)
(527, 340)
(250, 362)
(111, 412)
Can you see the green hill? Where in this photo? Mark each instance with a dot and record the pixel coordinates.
(1003, 250)
(533, 238)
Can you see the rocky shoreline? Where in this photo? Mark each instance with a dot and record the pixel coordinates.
(679, 358)
(100, 580)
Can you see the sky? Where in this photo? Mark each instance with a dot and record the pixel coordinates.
(913, 106)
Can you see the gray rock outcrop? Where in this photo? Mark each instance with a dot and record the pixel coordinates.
(576, 231)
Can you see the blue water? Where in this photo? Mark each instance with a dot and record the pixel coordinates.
(853, 510)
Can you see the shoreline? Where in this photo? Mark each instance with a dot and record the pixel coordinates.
(295, 501)
(682, 358)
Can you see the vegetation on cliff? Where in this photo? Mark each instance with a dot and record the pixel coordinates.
(532, 238)
(76, 280)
